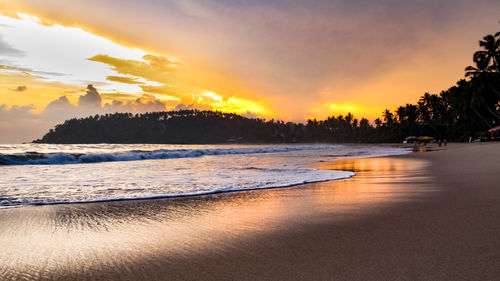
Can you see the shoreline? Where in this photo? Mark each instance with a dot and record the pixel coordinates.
(166, 197)
(205, 193)
(401, 219)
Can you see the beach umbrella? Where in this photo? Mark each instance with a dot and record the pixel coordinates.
(426, 138)
(411, 138)
(495, 129)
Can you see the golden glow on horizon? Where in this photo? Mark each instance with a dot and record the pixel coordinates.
(241, 106)
(59, 54)
(139, 72)
(37, 94)
(334, 109)
(236, 71)
(213, 96)
(59, 61)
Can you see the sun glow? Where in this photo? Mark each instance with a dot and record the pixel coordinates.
(276, 61)
(213, 96)
(60, 54)
(59, 61)
(333, 109)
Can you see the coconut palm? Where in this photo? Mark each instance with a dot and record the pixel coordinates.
(388, 117)
(424, 107)
(488, 59)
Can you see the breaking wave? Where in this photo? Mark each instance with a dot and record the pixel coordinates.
(35, 158)
(33, 174)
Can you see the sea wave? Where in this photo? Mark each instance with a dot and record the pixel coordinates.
(37, 174)
(268, 179)
(36, 158)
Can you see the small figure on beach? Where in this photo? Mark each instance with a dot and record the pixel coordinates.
(445, 142)
(439, 142)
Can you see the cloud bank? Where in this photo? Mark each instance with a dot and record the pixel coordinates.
(22, 124)
(298, 58)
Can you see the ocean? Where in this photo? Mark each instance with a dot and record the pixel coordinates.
(39, 174)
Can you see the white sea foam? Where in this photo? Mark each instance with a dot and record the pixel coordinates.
(87, 173)
(35, 158)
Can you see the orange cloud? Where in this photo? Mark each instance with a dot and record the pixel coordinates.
(154, 68)
(124, 79)
(40, 92)
(359, 110)
(160, 70)
(281, 56)
(164, 92)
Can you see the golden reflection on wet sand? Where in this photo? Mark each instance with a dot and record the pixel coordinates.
(81, 241)
(377, 181)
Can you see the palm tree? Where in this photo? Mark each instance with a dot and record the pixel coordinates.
(411, 112)
(488, 59)
(491, 44)
(365, 124)
(401, 114)
(348, 118)
(388, 117)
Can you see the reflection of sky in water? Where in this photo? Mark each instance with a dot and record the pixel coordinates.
(28, 184)
(83, 239)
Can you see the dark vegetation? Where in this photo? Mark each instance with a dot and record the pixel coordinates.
(468, 109)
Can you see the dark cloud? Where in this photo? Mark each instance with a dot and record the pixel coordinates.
(19, 124)
(285, 50)
(60, 104)
(199, 106)
(145, 103)
(91, 99)
(28, 70)
(249, 114)
(21, 88)
(15, 112)
(91, 103)
(61, 109)
(295, 48)
(7, 50)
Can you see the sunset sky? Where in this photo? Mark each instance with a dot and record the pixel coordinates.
(290, 60)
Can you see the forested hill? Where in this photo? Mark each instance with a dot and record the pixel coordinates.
(195, 127)
(466, 110)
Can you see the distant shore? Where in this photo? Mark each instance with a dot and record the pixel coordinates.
(422, 216)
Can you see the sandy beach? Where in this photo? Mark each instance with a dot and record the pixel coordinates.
(423, 216)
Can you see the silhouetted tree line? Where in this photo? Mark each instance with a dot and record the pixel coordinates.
(465, 110)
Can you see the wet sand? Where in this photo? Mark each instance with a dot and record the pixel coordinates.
(423, 216)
